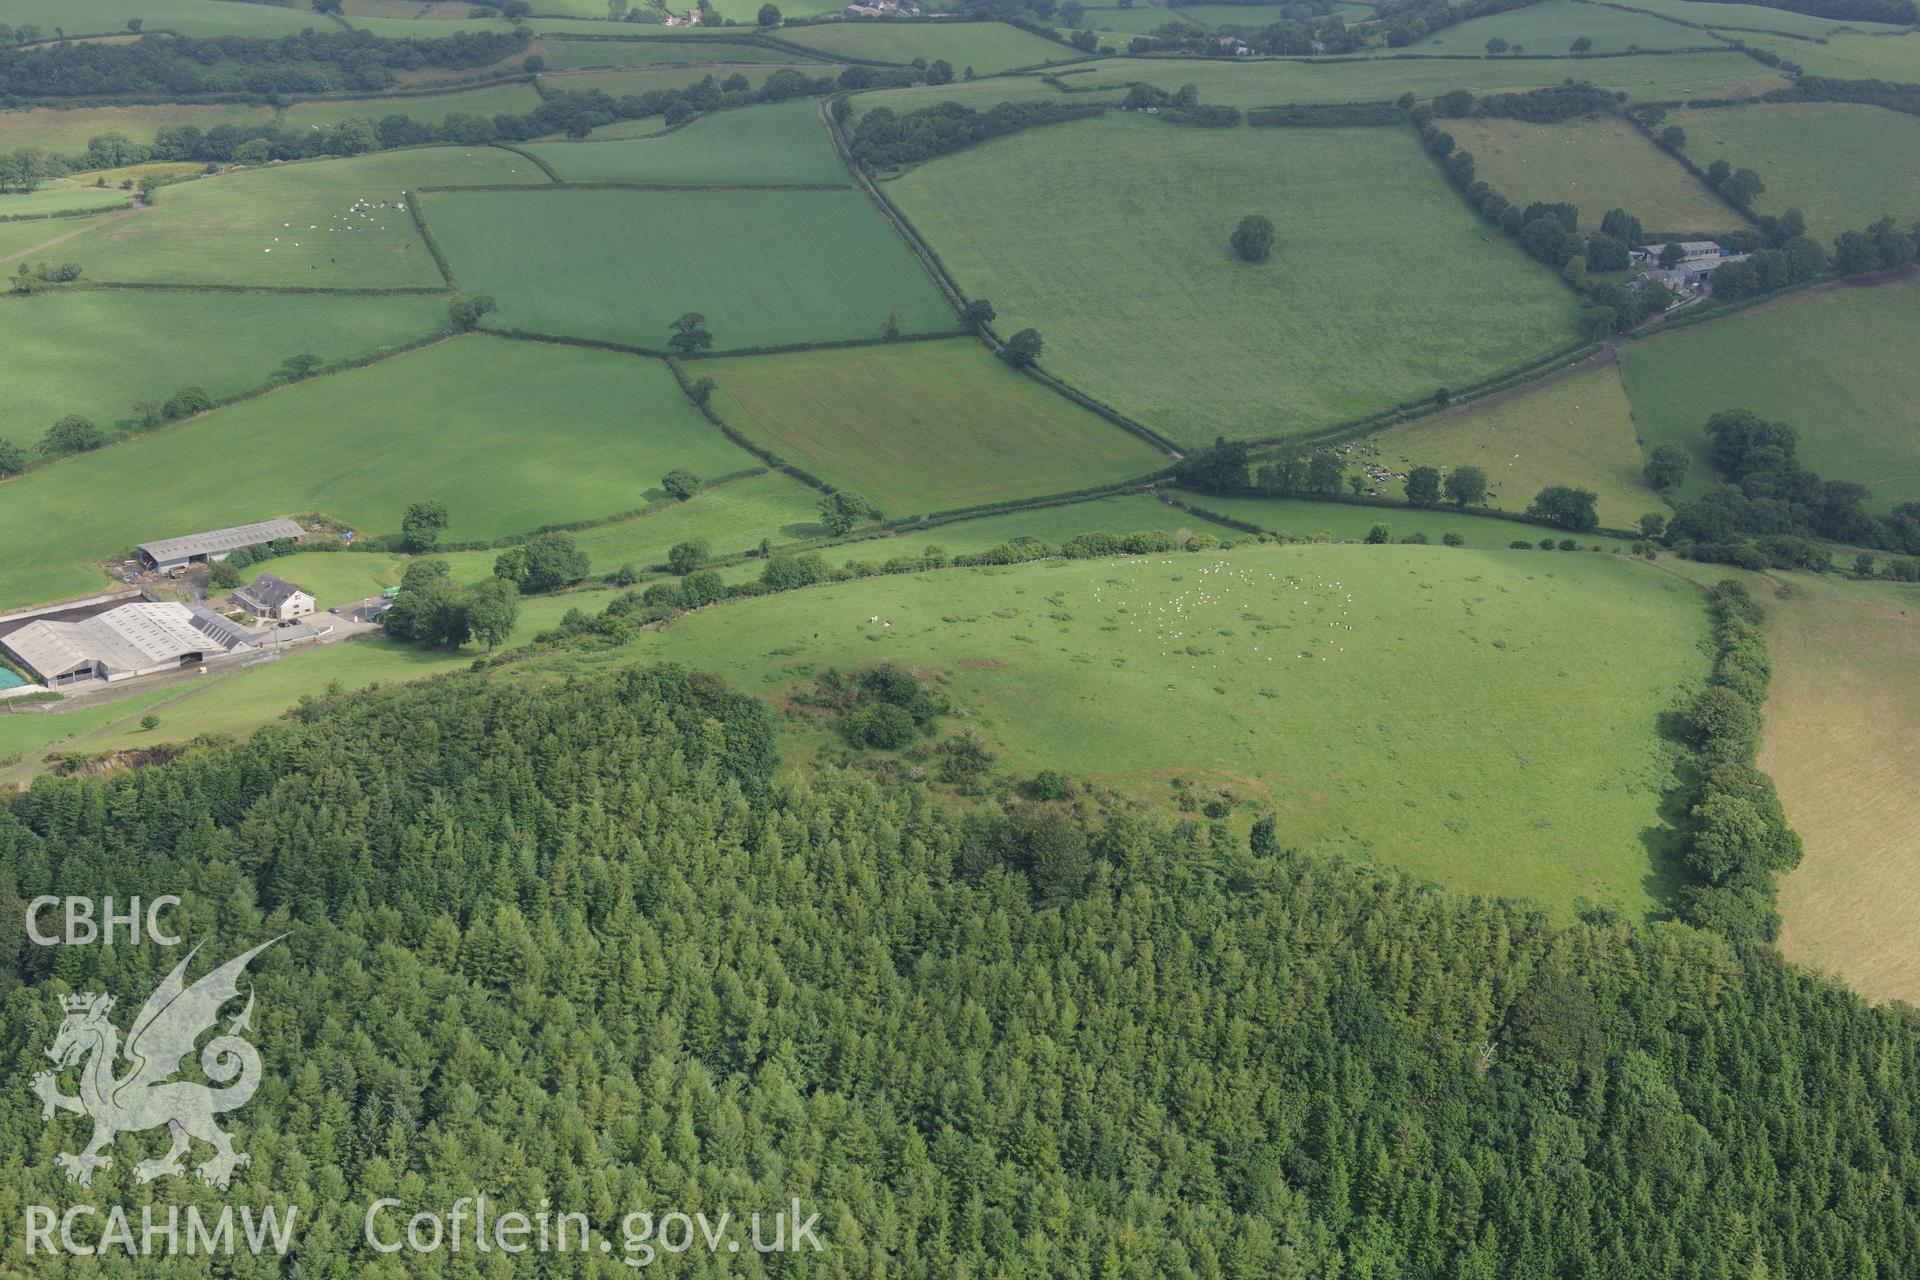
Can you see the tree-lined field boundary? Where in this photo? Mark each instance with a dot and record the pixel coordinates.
(930, 260)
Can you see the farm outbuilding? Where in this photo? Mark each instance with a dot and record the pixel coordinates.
(217, 544)
(122, 642)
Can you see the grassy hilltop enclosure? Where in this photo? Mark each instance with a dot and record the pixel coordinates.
(1842, 719)
(1120, 513)
(782, 144)
(1575, 430)
(1453, 712)
(765, 268)
(510, 436)
(1833, 364)
(1655, 77)
(1843, 166)
(311, 225)
(1553, 26)
(1312, 519)
(924, 426)
(1381, 288)
(987, 47)
(1596, 164)
(95, 353)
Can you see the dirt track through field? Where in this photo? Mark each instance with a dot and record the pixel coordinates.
(91, 224)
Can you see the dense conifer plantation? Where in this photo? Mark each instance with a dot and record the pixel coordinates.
(574, 941)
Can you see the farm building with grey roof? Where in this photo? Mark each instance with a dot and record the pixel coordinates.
(217, 544)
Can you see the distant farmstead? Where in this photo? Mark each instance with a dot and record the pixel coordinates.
(1690, 251)
(168, 554)
(268, 596)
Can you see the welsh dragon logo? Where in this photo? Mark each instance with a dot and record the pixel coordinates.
(146, 1096)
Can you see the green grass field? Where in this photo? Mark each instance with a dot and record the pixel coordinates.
(544, 26)
(1841, 723)
(747, 12)
(987, 47)
(1231, 15)
(1657, 77)
(514, 98)
(1380, 289)
(663, 78)
(1596, 164)
(732, 517)
(1849, 57)
(1843, 166)
(409, 28)
(182, 17)
(924, 426)
(1486, 719)
(63, 197)
(417, 10)
(1139, 20)
(1124, 513)
(334, 577)
(1833, 364)
(64, 131)
(781, 144)
(570, 55)
(982, 95)
(289, 226)
(1751, 17)
(510, 435)
(1308, 519)
(1575, 430)
(680, 77)
(1553, 26)
(678, 74)
(765, 268)
(94, 353)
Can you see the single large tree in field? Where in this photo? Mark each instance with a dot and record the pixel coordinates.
(1667, 466)
(72, 434)
(423, 524)
(464, 313)
(492, 609)
(1567, 507)
(841, 511)
(1466, 486)
(1423, 486)
(1022, 349)
(1252, 240)
(690, 336)
(553, 561)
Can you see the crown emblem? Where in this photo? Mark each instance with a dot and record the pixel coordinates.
(86, 1000)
